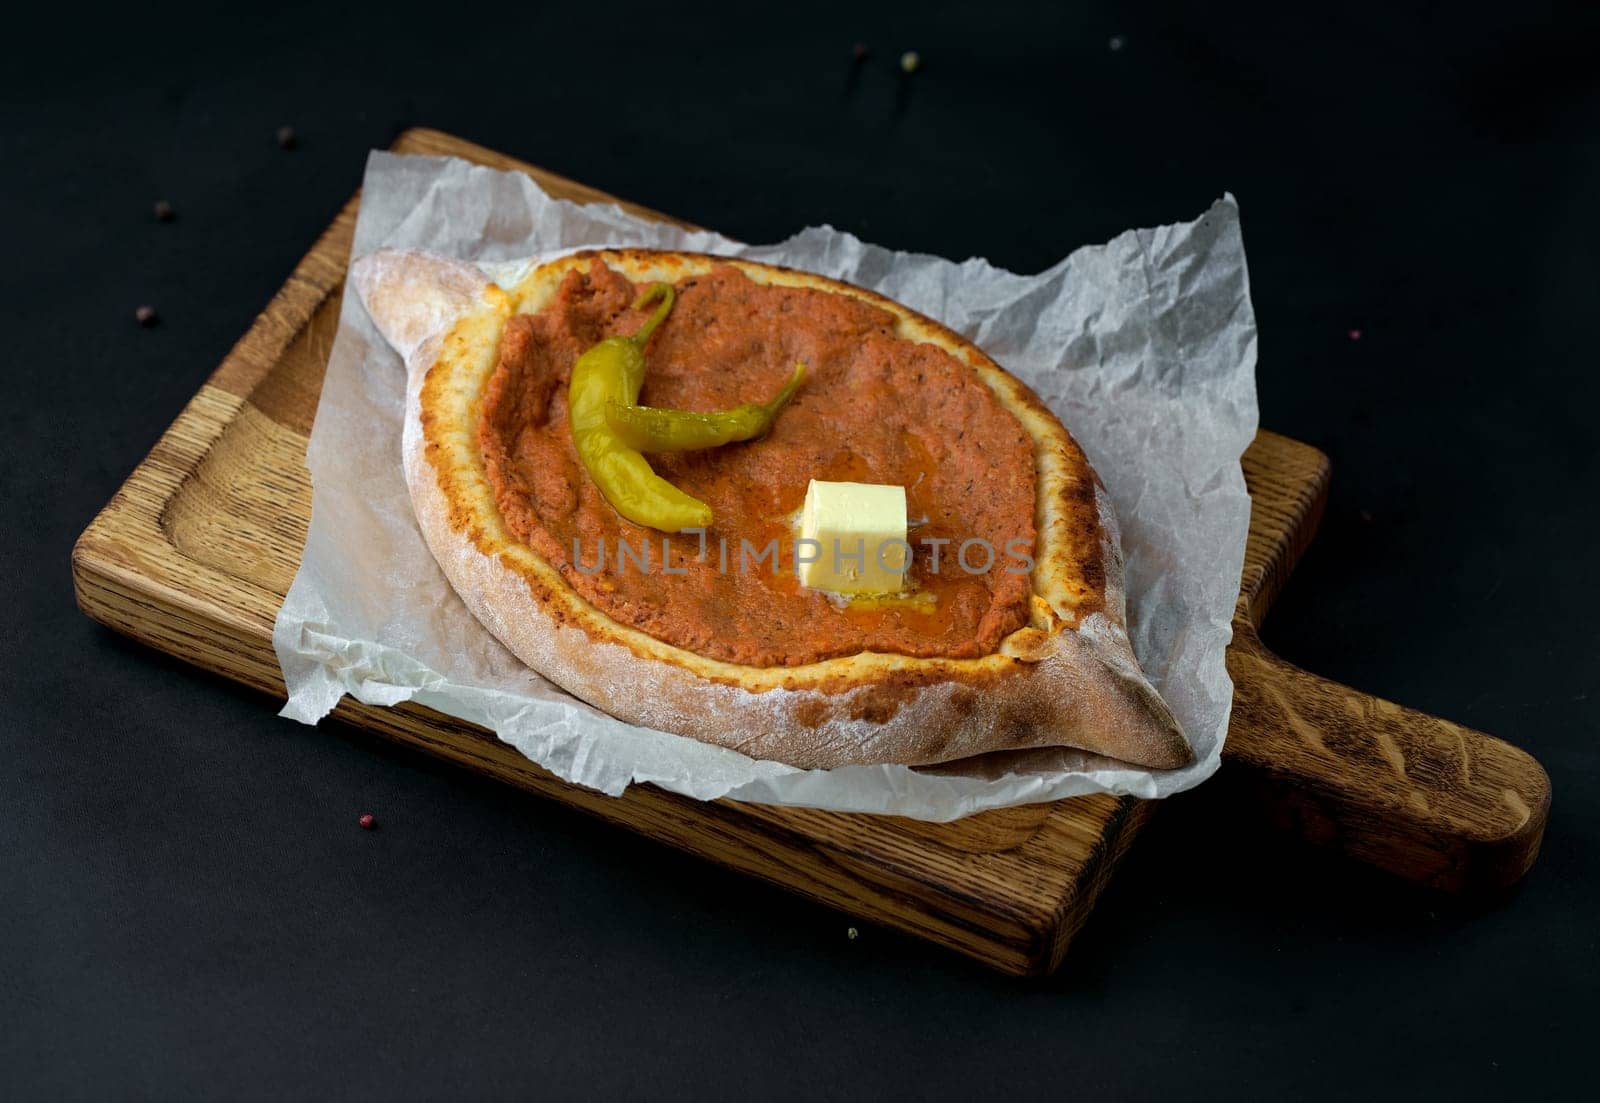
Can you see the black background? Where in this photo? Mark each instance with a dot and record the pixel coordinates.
(186, 904)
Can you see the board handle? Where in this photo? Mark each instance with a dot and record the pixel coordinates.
(1432, 801)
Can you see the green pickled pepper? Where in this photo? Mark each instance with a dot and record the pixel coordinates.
(611, 431)
(612, 372)
(650, 429)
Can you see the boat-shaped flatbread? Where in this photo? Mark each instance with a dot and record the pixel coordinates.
(1010, 633)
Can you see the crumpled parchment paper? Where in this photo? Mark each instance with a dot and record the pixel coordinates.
(1145, 347)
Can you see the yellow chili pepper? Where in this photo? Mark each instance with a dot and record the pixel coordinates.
(612, 372)
(650, 429)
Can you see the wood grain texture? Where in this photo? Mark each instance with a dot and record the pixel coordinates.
(1421, 797)
(194, 553)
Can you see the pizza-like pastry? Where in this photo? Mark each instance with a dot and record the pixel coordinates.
(631, 547)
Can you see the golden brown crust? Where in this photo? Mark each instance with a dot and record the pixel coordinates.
(1069, 678)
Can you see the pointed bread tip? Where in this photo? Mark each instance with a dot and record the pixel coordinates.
(413, 296)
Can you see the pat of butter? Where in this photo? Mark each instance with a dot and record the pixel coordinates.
(853, 538)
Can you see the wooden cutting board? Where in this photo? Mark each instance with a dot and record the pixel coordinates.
(194, 554)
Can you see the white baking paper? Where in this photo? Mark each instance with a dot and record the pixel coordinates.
(1145, 347)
